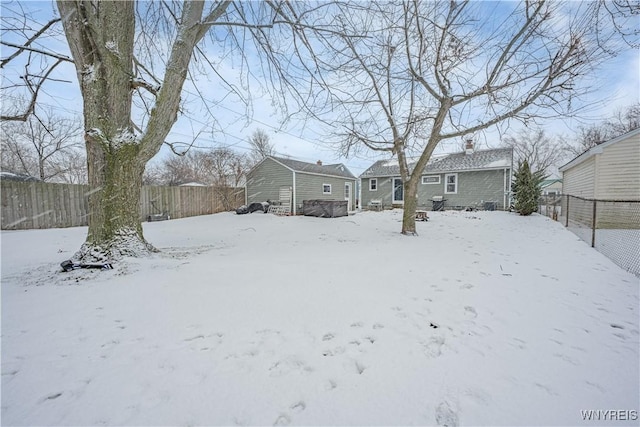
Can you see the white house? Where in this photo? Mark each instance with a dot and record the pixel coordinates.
(609, 171)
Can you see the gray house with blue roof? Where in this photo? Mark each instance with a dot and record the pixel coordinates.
(472, 178)
(291, 182)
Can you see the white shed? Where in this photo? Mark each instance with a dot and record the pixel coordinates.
(609, 171)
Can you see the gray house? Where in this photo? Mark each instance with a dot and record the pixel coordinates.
(471, 178)
(291, 182)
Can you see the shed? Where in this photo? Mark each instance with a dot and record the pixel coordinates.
(609, 171)
(292, 182)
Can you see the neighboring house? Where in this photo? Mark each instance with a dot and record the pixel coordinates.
(279, 179)
(10, 176)
(551, 187)
(609, 171)
(472, 178)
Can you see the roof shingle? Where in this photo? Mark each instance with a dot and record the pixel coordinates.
(332, 170)
(498, 158)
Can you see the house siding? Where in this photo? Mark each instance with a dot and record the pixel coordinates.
(264, 181)
(474, 188)
(309, 187)
(383, 192)
(580, 179)
(618, 171)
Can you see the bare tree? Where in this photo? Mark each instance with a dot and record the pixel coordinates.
(431, 71)
(228, 170)
(219, 167)
(227, 167)
(74, 168)
(541, 152)
(153, 174)
(178, 170)
(622, 121)
(39, 64)
(122, 49)
(260, 146)
(44, 146)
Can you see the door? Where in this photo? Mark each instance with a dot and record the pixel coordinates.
(347, 194)
(398, 191)
(284, 196)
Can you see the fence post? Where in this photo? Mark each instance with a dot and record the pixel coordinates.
(593, 226)
(566, 220)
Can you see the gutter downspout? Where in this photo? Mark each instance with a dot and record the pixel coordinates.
(295, 204)
(504, 196)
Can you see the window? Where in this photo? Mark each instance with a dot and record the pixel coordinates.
(373, 184)
(326, 188)
(398, 191)
(451, 183)
(431, 179)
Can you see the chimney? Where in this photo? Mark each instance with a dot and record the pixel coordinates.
(319, 163)
(468, 147)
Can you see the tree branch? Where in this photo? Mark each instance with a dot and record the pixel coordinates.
(25, 46)
(34, 96)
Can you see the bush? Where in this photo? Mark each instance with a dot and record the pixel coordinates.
(526, 188)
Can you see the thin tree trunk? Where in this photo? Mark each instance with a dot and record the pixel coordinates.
(410, 205)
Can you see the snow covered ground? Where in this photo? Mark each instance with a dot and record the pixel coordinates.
(486, 318)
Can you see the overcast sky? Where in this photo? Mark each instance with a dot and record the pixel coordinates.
(617, 85)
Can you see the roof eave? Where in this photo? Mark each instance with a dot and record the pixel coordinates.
(597, 150)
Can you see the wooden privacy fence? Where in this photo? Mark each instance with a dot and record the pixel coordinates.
(27, 205)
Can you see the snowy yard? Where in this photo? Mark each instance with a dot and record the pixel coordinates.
(484, 319)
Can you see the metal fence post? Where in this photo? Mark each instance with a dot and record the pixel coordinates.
(593, 226)
(566, 220)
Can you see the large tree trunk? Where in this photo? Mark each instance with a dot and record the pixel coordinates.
(101, 38)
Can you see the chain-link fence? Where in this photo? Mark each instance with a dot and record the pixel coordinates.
(610, 226)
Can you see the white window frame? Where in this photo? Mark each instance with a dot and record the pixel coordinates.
(371, 181)
(430, 176)
(324, 191)
(446, 183)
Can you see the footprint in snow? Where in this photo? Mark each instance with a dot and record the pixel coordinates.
(298, 406)
(360, 368)
(433, 347)
(330, 385)
(336, 351)
(445, 416)
(282, 420)
(53, 396)
(470, 311)
(289, 365)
